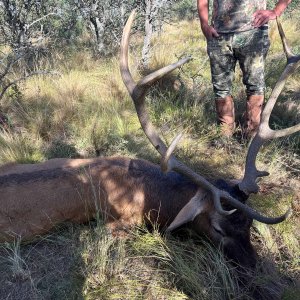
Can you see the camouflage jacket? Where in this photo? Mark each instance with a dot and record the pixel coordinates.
(233, 15)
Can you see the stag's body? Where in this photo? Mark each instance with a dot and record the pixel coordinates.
(35, 198)
(125, 192)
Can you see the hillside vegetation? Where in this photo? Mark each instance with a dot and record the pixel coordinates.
(85, 111)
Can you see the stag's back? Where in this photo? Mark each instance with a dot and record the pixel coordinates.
(36, 197)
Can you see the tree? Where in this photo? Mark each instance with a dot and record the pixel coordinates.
(154, 15)
(186, 9)
(23, 37)
(104, 19)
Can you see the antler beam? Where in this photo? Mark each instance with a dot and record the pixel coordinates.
(265, 133)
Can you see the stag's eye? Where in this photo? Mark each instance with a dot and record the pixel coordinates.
(219, 231)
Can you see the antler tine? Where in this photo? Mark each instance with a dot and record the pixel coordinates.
(137, 92)
(286, 47)
(248, 184)
(124, 68)
(153, 77)
(165, 162)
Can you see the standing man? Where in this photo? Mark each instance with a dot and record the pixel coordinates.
(238, 33)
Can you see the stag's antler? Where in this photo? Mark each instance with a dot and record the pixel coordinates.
(265, 133)
(169, 162)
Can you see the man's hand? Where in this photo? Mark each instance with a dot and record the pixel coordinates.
(209, 32)
(261, 17)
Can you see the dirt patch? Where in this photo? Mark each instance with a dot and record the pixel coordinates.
(46, 269)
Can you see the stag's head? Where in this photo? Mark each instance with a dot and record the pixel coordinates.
(230, 233)
(218, 210)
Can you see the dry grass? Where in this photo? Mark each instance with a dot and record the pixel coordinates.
(86, 112)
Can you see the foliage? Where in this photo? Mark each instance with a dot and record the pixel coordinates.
(155, 13)
(87, 112)
(24, 39)
(294, 5)
(104, 19)
(186, 9)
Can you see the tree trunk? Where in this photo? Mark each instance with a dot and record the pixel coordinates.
(148, 35)
(97, 29)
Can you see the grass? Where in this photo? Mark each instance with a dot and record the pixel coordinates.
(85, 112)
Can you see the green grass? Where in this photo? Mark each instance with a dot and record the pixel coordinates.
(85, 112)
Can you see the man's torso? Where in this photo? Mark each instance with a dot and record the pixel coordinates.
(235, 16)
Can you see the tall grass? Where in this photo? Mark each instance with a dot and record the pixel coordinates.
(86, 111)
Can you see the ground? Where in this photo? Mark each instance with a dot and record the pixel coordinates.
(85, 112)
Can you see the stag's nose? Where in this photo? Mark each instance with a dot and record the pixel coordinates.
(242, 253)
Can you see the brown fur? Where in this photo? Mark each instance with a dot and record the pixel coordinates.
(34, 198)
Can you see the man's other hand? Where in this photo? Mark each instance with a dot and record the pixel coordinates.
(209, 32)
(261, 17)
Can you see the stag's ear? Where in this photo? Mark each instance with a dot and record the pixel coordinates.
(195, 206)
